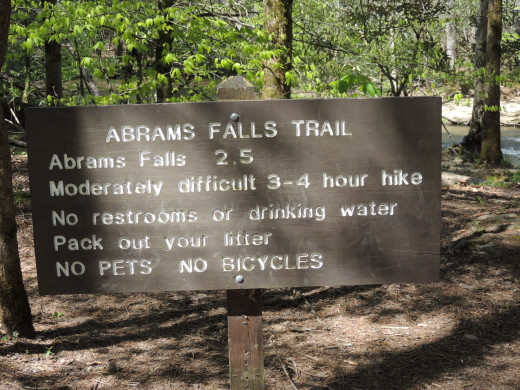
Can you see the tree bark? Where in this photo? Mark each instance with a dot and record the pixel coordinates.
(472, 142)
(278, 23)
(491, 152)
(53, 76)
(15, 311)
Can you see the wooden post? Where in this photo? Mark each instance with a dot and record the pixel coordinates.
(245, 337)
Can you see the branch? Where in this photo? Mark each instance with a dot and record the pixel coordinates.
(229, 18)
(15, 125)
(15, 142)
(91, 85)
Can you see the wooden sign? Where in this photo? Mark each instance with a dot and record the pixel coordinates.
(232, 195)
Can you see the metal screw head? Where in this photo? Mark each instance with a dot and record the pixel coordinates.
(239, 279)
(234, 117)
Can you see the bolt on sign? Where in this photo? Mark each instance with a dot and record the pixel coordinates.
(231, 195)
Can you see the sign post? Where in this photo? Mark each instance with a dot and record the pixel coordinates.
(245, 336)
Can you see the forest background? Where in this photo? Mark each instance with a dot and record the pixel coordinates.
(114, 52)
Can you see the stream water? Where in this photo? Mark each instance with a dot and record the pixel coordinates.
(510, 140)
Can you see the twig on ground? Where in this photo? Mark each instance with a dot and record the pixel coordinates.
(15, 142)
(16, 126)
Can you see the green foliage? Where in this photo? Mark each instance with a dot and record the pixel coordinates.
(351, 81)
(131, 48)
(12, 338)
(389, 41)
(507, 179)
(496, 181)
(143, 52)
(515, 177)
(21, 196)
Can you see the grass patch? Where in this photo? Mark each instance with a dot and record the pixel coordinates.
(22, 200)
(503, 180)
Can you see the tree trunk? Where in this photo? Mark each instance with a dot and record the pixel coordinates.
(278, 23)
(472, 142)
(53, 77)
(27, 84)
(491, 152)
(14, 304)
(451, 35)
(164, 90)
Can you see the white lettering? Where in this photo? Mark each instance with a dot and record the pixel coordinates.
(344, 181)
(316, 129)
(87, 188)
(124, 267)
(214, 183)
(134, 243)
(198, 265)
(239, 238)
(372, 208)
(74, 244)
(287, 211)
(272, 262)
(400, 178)
(70, 219)
(184, 242)
(77, 268)
(131, 217)
(142, 133)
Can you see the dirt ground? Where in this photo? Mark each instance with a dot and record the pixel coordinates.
(460, 333)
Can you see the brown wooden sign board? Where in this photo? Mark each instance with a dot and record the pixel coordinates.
(235, 194)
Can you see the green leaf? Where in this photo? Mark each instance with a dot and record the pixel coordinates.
(343, 86)
(86, 61)
(176, 73)
(169, 58)
(99, 46)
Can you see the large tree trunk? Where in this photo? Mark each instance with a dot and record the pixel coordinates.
(53, 77)
(278, 23)
(472, 142)
(14, 305)
(491, 152)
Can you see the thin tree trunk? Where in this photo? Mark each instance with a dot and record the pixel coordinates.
(278, 23)
(491, 149)
(139, 61)
(53, 76)
(27, 85)
(451, 35)
(85, 75)
(164, 91)
(472, 142)
(14, 305)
